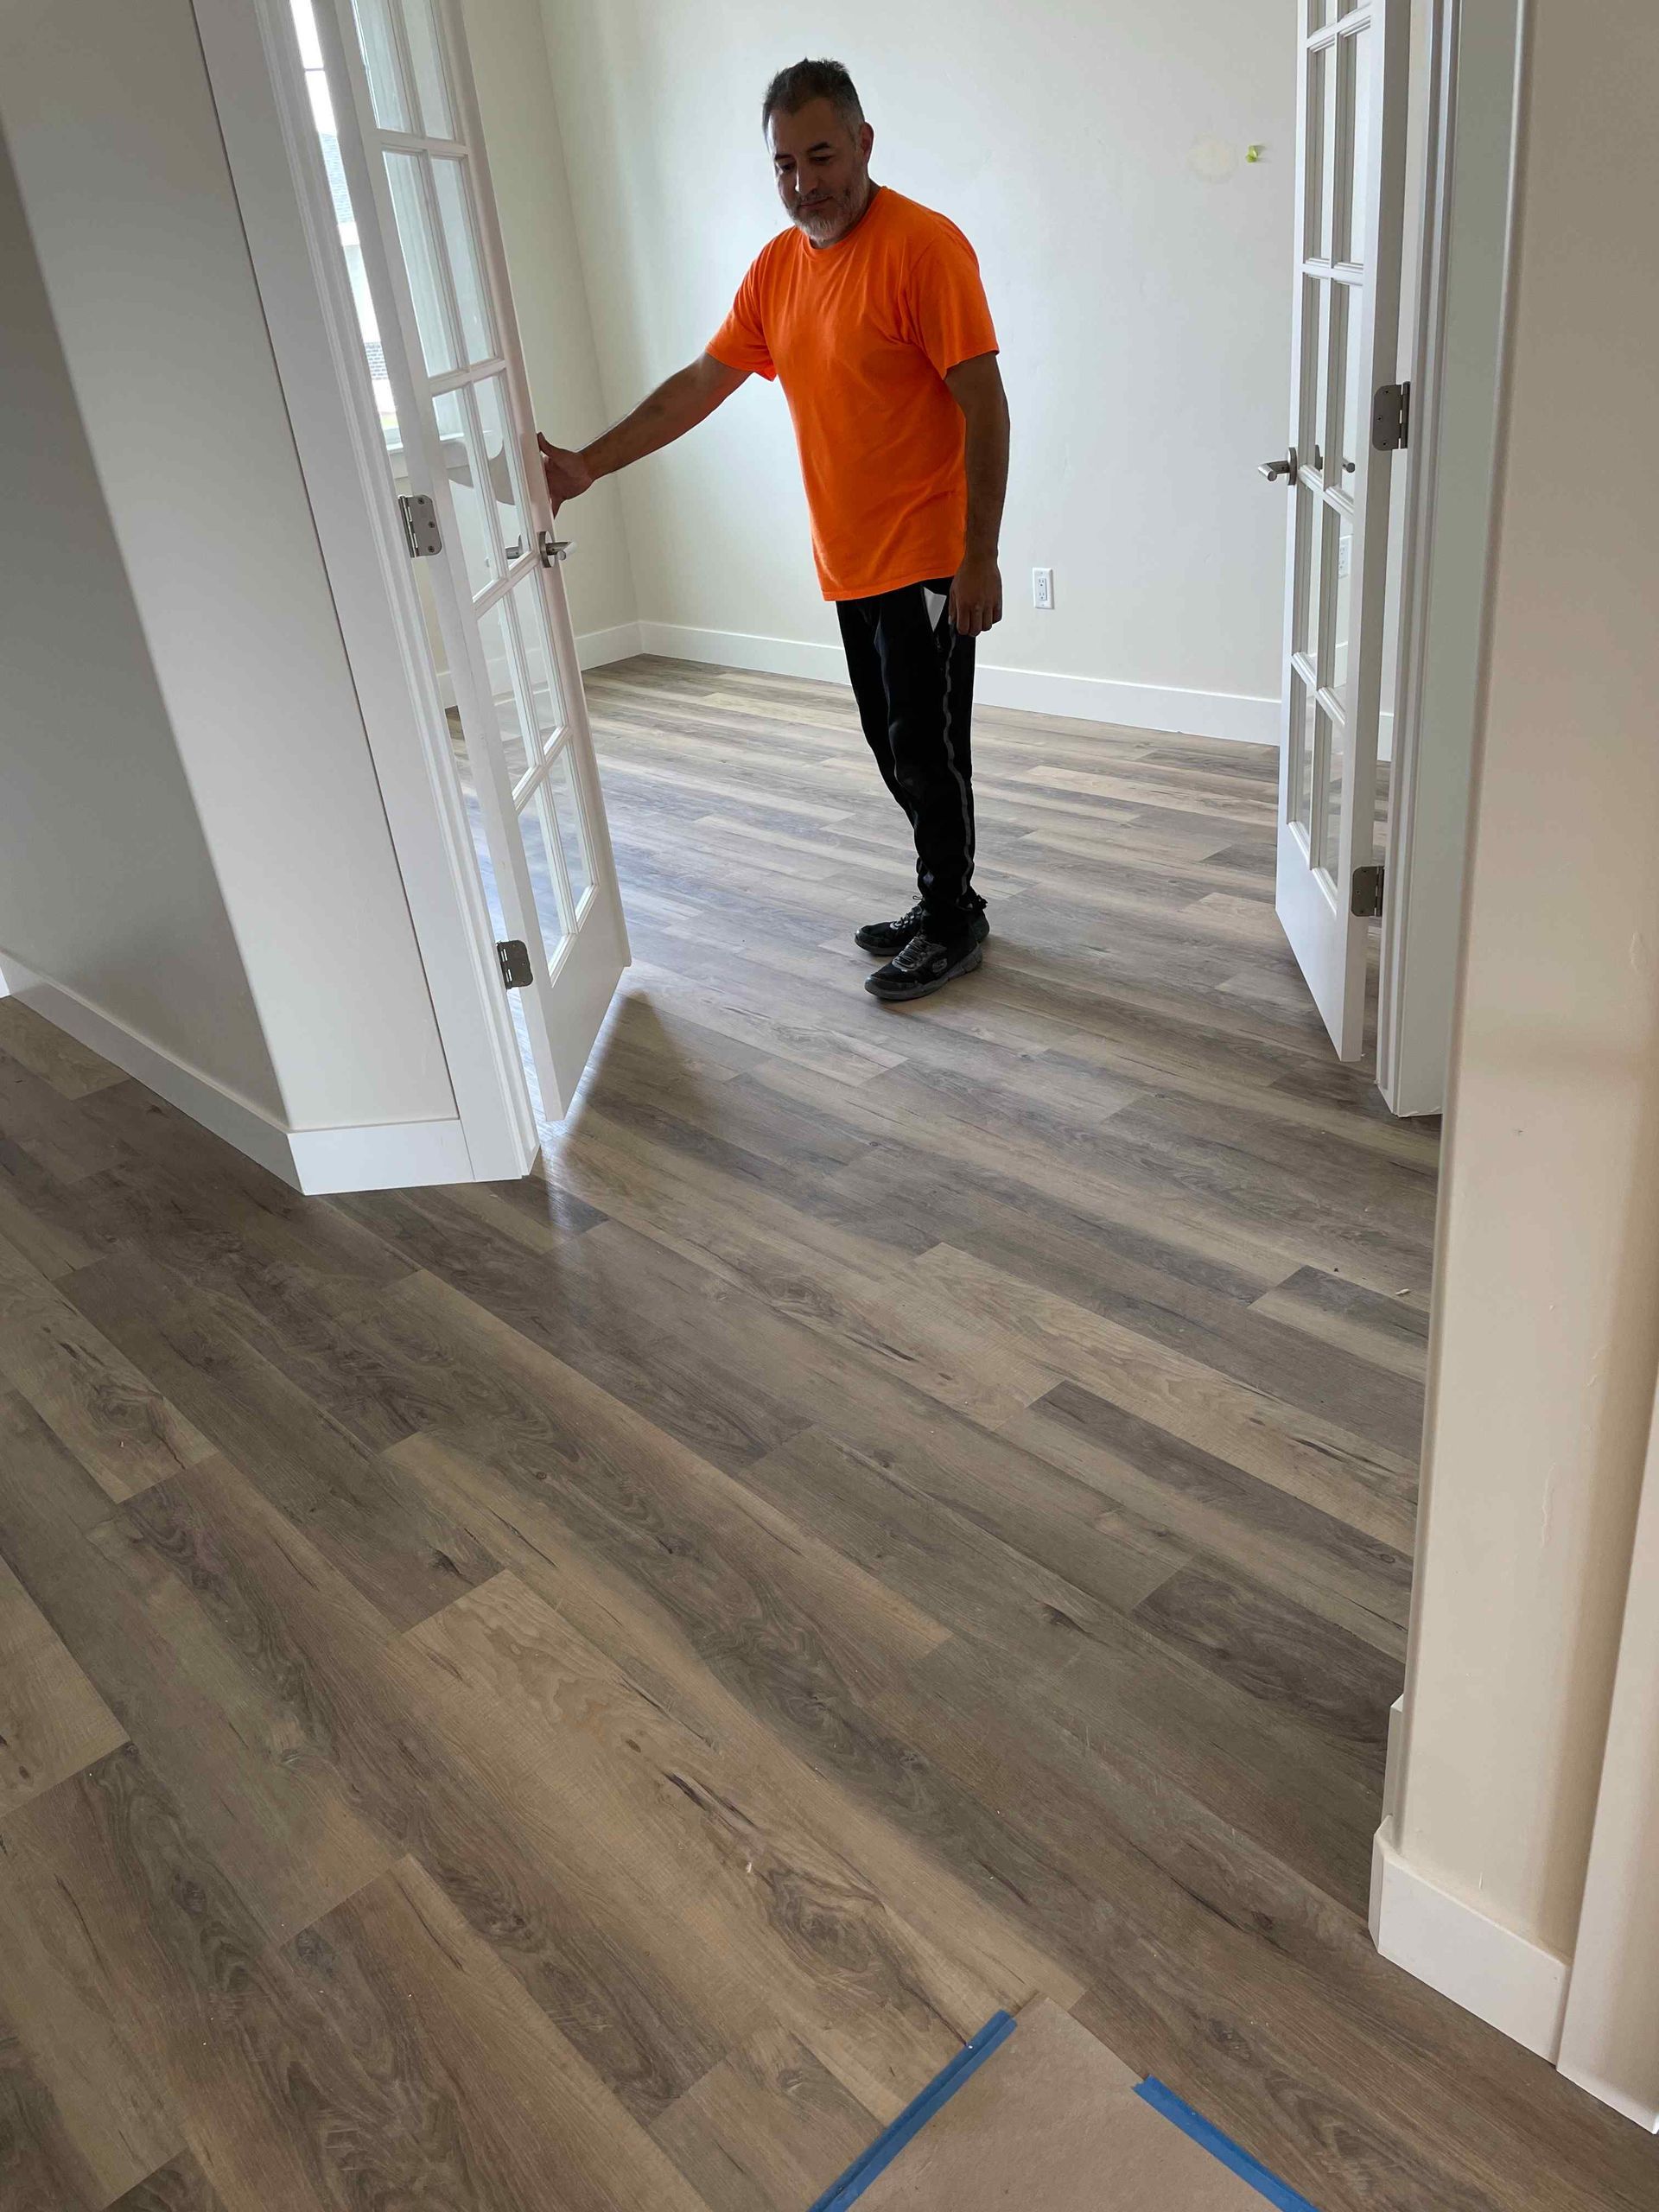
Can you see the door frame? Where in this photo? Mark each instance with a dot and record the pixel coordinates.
(1467, 213)
(253, 69)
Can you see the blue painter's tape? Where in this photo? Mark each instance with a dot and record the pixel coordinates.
(915, 2116)
(1278, 2193)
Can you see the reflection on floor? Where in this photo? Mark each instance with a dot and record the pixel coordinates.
(583, 1693)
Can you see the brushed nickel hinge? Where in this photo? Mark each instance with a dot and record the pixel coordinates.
(420, 530)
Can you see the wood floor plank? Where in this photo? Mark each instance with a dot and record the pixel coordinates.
(1390, 1332)
(179, 2186)
(41, 2167)
(1216, 1509)
(1312, 1458)
(434, 1774)
(727, 1688)
(125, 1432)
(767, 2130)
(58, 1134)
(53, 1722)
(431, 2012)
(763, 1915)
(1282, 1653)
(408, 1561)
(85, 2047)
(905, 1509)
(73, 1069)
(282, 1830)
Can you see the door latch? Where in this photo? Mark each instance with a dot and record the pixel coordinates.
(1391, 417)
(420, 525)
(552, 548)
(514, 956)
(1365, 899)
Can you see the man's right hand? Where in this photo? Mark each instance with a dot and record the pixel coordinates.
(568, 475)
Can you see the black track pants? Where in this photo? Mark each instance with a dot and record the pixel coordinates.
(913, 679)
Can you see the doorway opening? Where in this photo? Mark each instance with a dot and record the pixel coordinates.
(1076, 1324)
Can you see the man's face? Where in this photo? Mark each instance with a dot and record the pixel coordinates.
(823, 165)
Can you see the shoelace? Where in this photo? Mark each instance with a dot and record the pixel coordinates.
(918, 954)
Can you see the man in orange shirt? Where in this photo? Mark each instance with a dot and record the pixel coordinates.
(870, 313)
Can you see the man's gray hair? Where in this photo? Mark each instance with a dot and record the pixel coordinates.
(792, 88)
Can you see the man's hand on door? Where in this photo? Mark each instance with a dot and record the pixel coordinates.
(568, 475)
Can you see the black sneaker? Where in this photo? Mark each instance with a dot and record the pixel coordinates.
(890, 937)
(893, 937)
(927, 964)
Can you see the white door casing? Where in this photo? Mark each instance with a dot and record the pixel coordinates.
(433, 267)
(1354, 61)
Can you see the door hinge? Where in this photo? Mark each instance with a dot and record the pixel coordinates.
(420, 525)
(552, 548)
(1366, 896)
(1391, 418)
(514, 955)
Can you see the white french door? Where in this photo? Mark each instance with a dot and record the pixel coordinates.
(1345, 422)
(393, 100)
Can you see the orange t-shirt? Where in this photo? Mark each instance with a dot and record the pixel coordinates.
(861, 333)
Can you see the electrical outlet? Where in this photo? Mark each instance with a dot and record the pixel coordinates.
(1344, 554)
(1042, 588)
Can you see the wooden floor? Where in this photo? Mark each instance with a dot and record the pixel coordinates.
(582, 1695)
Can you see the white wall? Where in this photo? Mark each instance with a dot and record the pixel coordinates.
(521, 128)
(1138, 267)
(123, 176)
(1546, 1315)
(105, 879)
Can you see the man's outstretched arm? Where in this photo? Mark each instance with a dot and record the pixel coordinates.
(976, 594)
(690, 395)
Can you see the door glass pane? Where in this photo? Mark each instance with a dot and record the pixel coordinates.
(426, 59)
(567, 812)
(466, 274)
(1305, 638)
(322, 115)
(1346, 426)
(1316, 351)
(1331, 752)
(378, 41)
(463, 467)
(543, 877)
(469, 781)
(1316, 230)
(501, 463)
(504, 689)
(1355, 123)
(1301, 754)
(421, 258)
(546, 707)
(1339, 553)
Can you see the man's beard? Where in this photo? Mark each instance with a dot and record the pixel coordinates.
(823, 225)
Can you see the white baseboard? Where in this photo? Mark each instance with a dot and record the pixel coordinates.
(391, 1155)
(595, 647)
(1640, 2109)
(380, 1156)
(1228, 715)
(1501, 1976)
